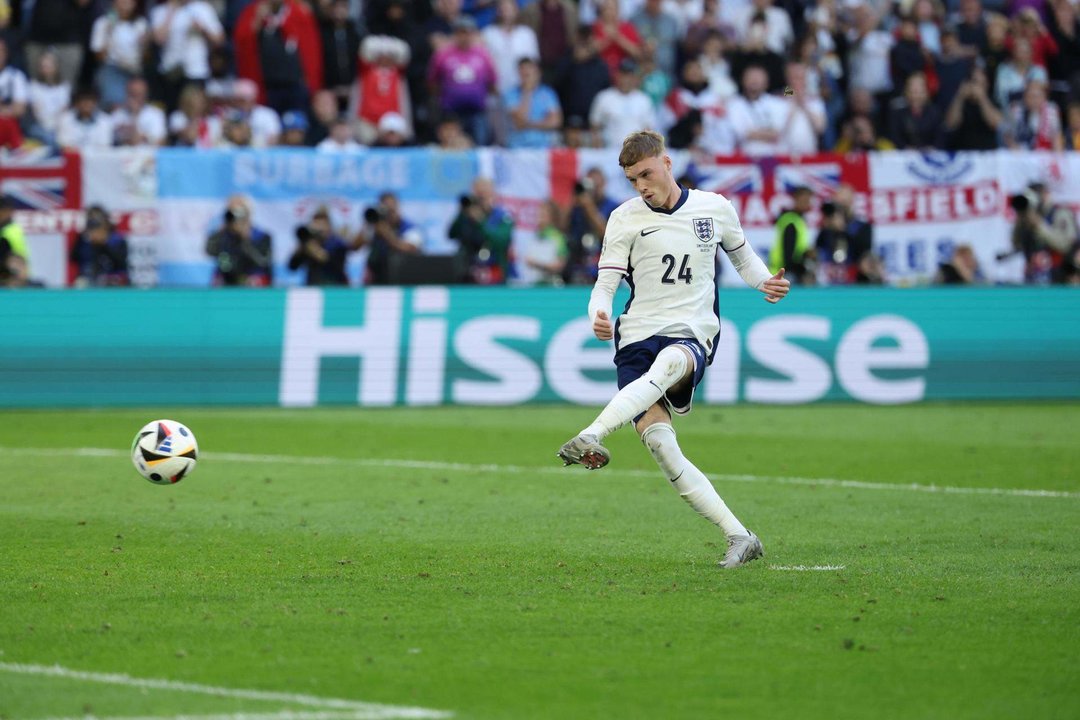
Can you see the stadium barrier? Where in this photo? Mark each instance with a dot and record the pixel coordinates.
(499, 346)
(168, 201)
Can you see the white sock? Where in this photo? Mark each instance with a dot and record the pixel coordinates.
(641, 394)
(691, 483)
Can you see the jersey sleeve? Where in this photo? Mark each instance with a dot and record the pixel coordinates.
(615, 252)
(742, 256)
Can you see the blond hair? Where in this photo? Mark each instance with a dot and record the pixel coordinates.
(640, 145)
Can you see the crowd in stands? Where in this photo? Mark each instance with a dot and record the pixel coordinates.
(340, 75)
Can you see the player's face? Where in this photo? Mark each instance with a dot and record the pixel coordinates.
(652, 180)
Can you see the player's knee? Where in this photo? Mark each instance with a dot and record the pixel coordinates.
(669, 367)
(659, 439)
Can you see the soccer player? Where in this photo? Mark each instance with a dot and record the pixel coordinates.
(664, 243)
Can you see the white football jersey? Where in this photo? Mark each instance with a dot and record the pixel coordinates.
(668, 258)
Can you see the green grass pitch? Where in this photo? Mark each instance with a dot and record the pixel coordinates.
(440, 560)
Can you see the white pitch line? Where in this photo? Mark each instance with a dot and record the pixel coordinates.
(548, 470)
(807, 568)
(359, 710)
(282, 715)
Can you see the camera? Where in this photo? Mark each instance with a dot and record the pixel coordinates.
(582, 186)
(828, 208)
(374, 214)
(232, 214)
(466, 201)
(1020, 203)
(303, 234)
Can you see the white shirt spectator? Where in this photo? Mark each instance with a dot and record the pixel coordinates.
(798, 136)
(149, 123)
(122, 40)
(14, 87)
(868, 62)
(717, 132)
(768, 112)
(47, 102)
(618, 114)
(507, 49)
(778, 33)
(209, 132)
(330, 145)
(718, 73)
(185, 46)
(265, 126)
(685, 12)
(93, 132)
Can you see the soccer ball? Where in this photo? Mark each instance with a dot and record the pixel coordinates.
(164, 452)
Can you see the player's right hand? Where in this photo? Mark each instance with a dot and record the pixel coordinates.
(601, 326)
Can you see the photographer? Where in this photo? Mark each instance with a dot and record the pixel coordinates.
(586, 226)
(844, 245)
(320, 251)
(386, 234)
(100, 254)
(484, 233)
(241, 251)
(1044, 232)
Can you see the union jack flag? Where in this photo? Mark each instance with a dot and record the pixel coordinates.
(731, 179)
(39, 179)
(821, 178)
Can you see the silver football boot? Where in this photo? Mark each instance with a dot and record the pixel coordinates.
(585, 450)
(741, 550)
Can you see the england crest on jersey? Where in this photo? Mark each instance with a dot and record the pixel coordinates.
(703, 228)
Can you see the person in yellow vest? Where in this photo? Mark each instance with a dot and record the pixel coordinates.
(14, 255)
(792, 248)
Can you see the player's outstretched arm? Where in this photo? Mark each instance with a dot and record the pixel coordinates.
(776, 288)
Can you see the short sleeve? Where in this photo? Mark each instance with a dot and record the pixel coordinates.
(97, 34)
(618, 239)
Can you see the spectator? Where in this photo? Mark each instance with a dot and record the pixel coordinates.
(791, 248)
(915, 122)
(324, 114)
(393, 131)
(655, 83)
(772, 23)
(756, 116)
(582, 75)
(508, 42)
(388, 236)
(752, 50)
(191, 124)
(844, 242)
(184, 31)
(586, 226)
(824, 76)
(1028, 25)
(1044, 232)
(545, 259)
(221, 85)
(709, 23)
(440, 28)
(14, 96)
(235, 130)
(618, 111)
(382, 86)
(555, 24)
(659, 32)
(715, 65)
(263, 122)
(953, 68)
(461, 76)
(449, 135)
(970, 22)
(928, 15)
(805, 120)
(962, 268)
(119, 39)
(241, 252)
(996, 54)
(320, 252)
(84, 126)
(136, 122)
(9, 35)
(907, 56)
(100, 253)
(14, 255)
(62, 27)
(49, 97)
(340, 47)
(294, 127)
(278, 46)
(1072, 131)
(972, 119)
(1035, 122)
(859, 135)
(1016, 74)
(340, 139)
(685, 12)
(617, 40)
(1064, 68)
(533, 112)
(681, 114)
(869, 56)
(484, 233)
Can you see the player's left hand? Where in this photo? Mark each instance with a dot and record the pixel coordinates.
(776, 287)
